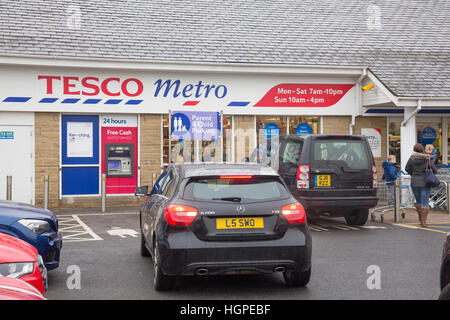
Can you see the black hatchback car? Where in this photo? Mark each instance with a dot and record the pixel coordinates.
(210, 219)
(329, 174)
(445, 270)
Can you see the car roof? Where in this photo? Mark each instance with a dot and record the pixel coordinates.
(323, 136)
(188, 170)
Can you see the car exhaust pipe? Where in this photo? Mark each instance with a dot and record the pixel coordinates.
(201, 272)
(279, 269)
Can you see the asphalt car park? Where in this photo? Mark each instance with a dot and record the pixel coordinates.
(343, 258)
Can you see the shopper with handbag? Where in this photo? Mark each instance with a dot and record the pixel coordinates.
(417, 166)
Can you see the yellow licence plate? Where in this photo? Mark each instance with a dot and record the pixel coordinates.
(240, 223)
(323, 180)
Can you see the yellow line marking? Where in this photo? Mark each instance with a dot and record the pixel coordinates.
(418, 227)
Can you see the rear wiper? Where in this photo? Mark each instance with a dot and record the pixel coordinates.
(233, 199)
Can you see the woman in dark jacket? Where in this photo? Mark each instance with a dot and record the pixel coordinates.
(416, 168)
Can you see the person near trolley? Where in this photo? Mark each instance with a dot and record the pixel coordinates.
(416, 167)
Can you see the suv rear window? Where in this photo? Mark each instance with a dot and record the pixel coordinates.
(292, 152)
(242, 190)
(352, 152)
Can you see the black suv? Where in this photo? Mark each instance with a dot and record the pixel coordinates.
(329, 174)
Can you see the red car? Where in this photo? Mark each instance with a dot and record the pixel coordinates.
(20, 260)
(15, 289)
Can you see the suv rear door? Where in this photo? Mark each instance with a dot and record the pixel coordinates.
(340, 163)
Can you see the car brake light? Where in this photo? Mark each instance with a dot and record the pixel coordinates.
(294, 213)
(179, 215)
(236, 177)
(303, 176)
(374, 177)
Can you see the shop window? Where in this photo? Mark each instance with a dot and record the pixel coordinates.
(269, 127)
(303, 125)
(394, 140)
(430, 133)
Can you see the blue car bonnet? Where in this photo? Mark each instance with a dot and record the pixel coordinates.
(10, 212)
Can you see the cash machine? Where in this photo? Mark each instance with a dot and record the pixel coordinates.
(119, 159)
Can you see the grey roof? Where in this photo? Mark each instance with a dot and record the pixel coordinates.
(408, 50)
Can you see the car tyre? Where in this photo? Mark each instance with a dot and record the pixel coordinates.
(144, 250)
(445, 293)
(297, 278)
(357, 217)
(161, 281)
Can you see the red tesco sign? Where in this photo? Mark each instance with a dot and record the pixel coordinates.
(91, 86)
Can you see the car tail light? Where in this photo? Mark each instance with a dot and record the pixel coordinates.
(303, 176)
(178, 215)
(236, 177)
(374, 177)
(294, 213)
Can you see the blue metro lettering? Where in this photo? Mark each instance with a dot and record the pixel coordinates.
(176, 89)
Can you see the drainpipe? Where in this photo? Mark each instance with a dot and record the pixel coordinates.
(419, 107)
(359, 96)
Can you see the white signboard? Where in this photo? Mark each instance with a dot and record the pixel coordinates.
(80, 139)
(373, 136)
(58, 89)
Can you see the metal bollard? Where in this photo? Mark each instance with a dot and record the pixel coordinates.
(103, 192)
(46, 191)
(397, 199)
(153, 179)
(8, 187)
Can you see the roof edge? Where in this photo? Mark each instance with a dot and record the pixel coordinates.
(165, 65)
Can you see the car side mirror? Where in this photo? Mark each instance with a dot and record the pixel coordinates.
(141, 191)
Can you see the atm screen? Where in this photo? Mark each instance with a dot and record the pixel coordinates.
(113, 164)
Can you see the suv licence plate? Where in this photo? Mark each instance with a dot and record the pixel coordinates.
(239, 223)
(323, 180)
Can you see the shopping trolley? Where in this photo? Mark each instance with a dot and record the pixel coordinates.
(438, 195)
(406, 198)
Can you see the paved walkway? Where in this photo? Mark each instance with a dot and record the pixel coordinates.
(437, 221)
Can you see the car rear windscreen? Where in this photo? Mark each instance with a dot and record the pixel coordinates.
(352, 152)
(242, 189)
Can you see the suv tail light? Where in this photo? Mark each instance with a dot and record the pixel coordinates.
(294, 213)
(178, 215)
(303, 176)
(374, 177)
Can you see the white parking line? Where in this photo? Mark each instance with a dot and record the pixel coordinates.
(327, 227)
(75, 230)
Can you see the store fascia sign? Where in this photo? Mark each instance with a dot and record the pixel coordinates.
(157, 92)
(92, 86)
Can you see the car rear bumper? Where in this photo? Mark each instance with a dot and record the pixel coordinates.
(352, 202)
(184, 254)
(342, 200)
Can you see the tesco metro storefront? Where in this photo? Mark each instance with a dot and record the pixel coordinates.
(88, 118)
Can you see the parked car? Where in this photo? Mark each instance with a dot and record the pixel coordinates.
(211, 219)
(445, 270)
(16, 289)
(329, 174)
(37, 226)
(20, 260)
